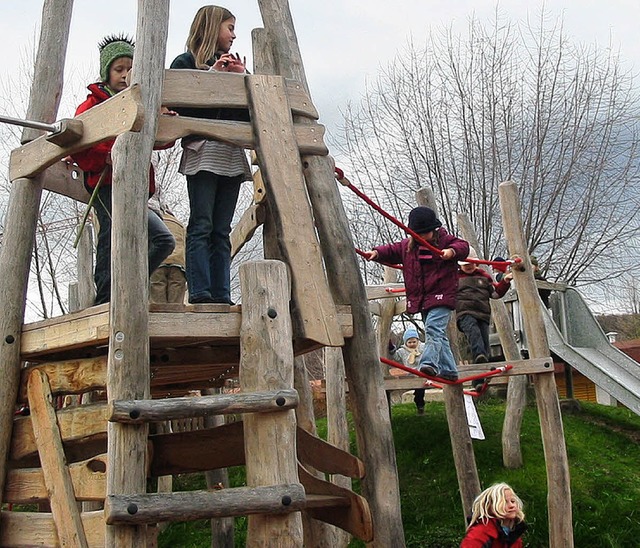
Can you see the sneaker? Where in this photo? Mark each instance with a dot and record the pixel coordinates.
(452, 377)
(420, 411)
(481, 358)
(429, 370)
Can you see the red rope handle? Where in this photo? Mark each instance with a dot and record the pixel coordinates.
(345, 182)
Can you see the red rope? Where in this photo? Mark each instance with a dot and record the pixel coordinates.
(492, 373)
(345, 182)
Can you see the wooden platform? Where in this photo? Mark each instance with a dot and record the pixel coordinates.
(192, 346)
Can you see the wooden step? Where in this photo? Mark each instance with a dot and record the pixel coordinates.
(193, 505)
(141, 411)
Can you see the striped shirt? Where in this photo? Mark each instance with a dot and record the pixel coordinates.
(214, 156)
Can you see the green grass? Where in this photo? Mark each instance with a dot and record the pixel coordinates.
(603, 446)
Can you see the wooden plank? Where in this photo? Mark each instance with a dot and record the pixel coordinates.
(56, 474)
(309, 139)
(115, 116)
(193, 505)
(316, 313)
(553, 441)
(259, 189)
(266, 363)
(220, 404)
(27, 485)
(65, 179)
(75, 423)
(375, 292)
(203, 89)
(251, 219)
(70, 377)
(356, 519)
(29, 529)
(323, 456)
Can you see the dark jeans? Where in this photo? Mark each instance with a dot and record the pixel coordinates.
(212, 199)
(477, 333)
(418, 397)
(161, 244)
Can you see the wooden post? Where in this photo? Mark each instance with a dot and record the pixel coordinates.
(517, 387)
(555, 450)
(387, 312)
(128, 371)
(373, 426)
(337, 426)
(86, 289)
(22, 214)
(56, 473)
(461, 443)
(266, 363)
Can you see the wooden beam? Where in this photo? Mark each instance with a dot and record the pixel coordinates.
(193, 505)
(310, 139)
(27, 529)
(323, 456)
(266, 363)
(251, 219)
(65, 179)
(75, 423)
(117, 115)
(356, 518)
(70, 377)
(553, 441)
(220, 404)
(56, 474)
(381, 291)
(316, 315)
(27, 485)
(202, 89)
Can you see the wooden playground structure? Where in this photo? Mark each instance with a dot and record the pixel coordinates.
(306, 294)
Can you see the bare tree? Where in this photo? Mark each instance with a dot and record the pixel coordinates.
(503, 102)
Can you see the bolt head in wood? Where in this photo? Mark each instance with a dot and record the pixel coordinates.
(134, 413)
(286, 500)
(10, 339)
(271, 312)
(280, 401)
(132, 509)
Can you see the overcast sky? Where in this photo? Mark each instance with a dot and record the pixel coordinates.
(343, 42)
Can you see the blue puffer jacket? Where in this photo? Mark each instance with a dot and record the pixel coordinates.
(429, 280)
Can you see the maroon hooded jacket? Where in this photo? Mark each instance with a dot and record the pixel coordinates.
(429, 280)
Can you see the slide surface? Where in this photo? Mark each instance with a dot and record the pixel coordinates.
(586, 347)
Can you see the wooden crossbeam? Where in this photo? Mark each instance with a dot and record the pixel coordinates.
(282, 170)
(202, 89)
(56, 474)
(27, 485)
(139, 411)
(122, 112)
(38, 529)
(193, 505)
(251, 219)
(309, 138)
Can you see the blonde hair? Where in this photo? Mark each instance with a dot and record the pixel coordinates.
(492, 503)
(202, 41)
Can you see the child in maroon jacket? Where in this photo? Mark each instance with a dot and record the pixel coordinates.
(497, 519)
(116, 57)
(431, 283)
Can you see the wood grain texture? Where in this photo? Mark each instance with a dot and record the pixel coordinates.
(251, 219)
(57, 477)
(118, 114)
(266, 363)
(553, 441)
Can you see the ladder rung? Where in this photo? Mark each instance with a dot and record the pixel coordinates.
(327, 501)
(193, 505)
(139, 411)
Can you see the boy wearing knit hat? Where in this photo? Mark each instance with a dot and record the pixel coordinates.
(116, 57)
(409, 355)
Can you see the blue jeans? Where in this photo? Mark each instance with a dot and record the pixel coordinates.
(477, 333)
(161, 244)
(212, 199)
(437, 352)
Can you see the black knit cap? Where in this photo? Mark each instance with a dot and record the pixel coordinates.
(423, 219)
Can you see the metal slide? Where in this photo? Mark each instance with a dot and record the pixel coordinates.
(585, 346)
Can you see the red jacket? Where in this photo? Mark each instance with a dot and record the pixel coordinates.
(429, 280)
(93, 160)
(491, 535)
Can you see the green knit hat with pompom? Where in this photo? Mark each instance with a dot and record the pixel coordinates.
(111, 48)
